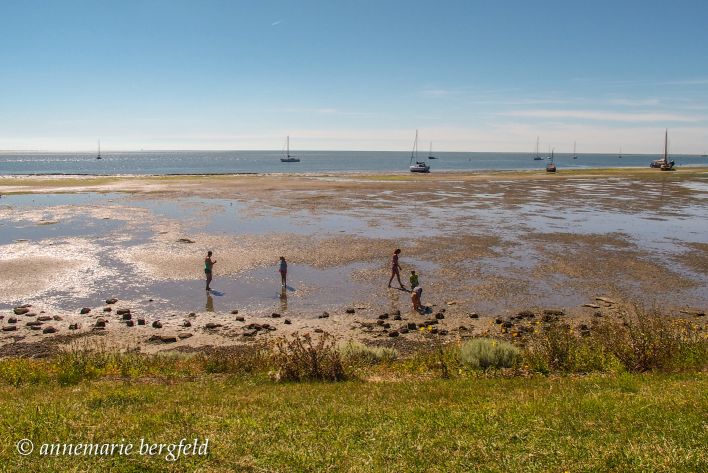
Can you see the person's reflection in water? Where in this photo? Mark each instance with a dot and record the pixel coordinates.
(210, 303)
(284, 299)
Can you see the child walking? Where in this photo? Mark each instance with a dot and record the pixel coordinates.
(283, 269)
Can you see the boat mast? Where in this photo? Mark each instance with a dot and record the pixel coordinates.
(288, 146)
(574, 153)
(414, 151)
(99, 149)
(537, 146)
(666, 146)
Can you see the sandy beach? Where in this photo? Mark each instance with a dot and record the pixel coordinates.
(487, 246)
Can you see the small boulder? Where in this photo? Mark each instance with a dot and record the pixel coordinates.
(12, 320)
(240, 318)
(84, 311)
(383, 316)
(57, 318)
(122, 311)
(182, 336)
(275, 315)
(411, 326)
(319, 330)
(185, 240)
(474, 315)
(127, 316)
(34, 323)
(212, 326)
(393, 333)
(186, 323)
(439, 316)
(192, 314)
(20, 310)
(44, 318)
(129, 323)
(49, 330)
(141, 321)
(73, 326)
(234, 312)
(107, 309)
(112, 300)
(396, 317)
(9, 328)
(554, 312)
(157, 324)
(350, 311)
(287, 321)
(100, 323)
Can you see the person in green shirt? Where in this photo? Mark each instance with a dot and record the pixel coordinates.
(414, 280)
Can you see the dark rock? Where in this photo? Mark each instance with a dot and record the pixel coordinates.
(555, 312)
(548, 318)
(31, 314)
(250, 333)
(319, 330)
(112, 300)
(507, 324)
(234, 311)
(34, 323)
(383, 316)
(157, 324)
(240, 318)
(122, 311)
(442, 332)
(130, 323)
(380, 322)
(49, 330)
(350, 311)
(396, 312)
(9, 328)
(439, 316)
(12, 320)
(397, 317)
(324, 315)
(287, 321)
(526, 314)
(186, 323)
(212, 326)
(44, 318)
(498, 320)
(192, 314)
(387, 325)
(151, 300)
(20, 310)
(162, 339)
(185, 240)
(107, 309)
(73, 326)
(434, 330)
(597, 314)
(100, 323)
(57, 318)
(393, 333)
(85, 310)
(182, 336)
(474, 315)
(462, 328)
(411, 326)
(403, 330)
(141, 321)
(127, 316)
(275, 315)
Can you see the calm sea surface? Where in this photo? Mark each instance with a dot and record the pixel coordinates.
(226, 162)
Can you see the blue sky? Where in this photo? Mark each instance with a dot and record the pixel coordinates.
(337, 75)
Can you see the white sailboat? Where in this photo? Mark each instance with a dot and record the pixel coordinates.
(575, 155)
(98, 156)
(538, 156)
(551, 166)
(288, 158)
(419, 166)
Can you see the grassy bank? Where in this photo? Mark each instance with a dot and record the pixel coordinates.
(649, 422)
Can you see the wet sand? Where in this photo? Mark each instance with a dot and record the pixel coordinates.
(489, 244)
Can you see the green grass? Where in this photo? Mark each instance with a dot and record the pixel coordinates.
(649, 422)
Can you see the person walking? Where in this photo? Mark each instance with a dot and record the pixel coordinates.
(208, 265)
(396, 268)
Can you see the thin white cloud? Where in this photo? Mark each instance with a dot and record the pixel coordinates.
(603, 116)
(276, 23)
(634, 102)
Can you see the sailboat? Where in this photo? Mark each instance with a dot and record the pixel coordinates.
(98, 156)
(551, 166)
(419, 166)
(664, 164)
(620, 155)
(288, 158)
(575, 155)
(538, 156)
(430, 153)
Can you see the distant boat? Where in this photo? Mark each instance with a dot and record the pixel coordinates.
(288, 158)
(419, 166)
(551, 166)
(575, 155)
(664, 164)
(538, 156)
(430, 153)
(98, 156)
(620, 155)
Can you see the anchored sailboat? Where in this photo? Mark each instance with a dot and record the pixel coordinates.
(538, 156)
(430, 153)
(551, 166)
(288, 158)
(419, 166)
(664, 164)
(98, 156)
(575, 155)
